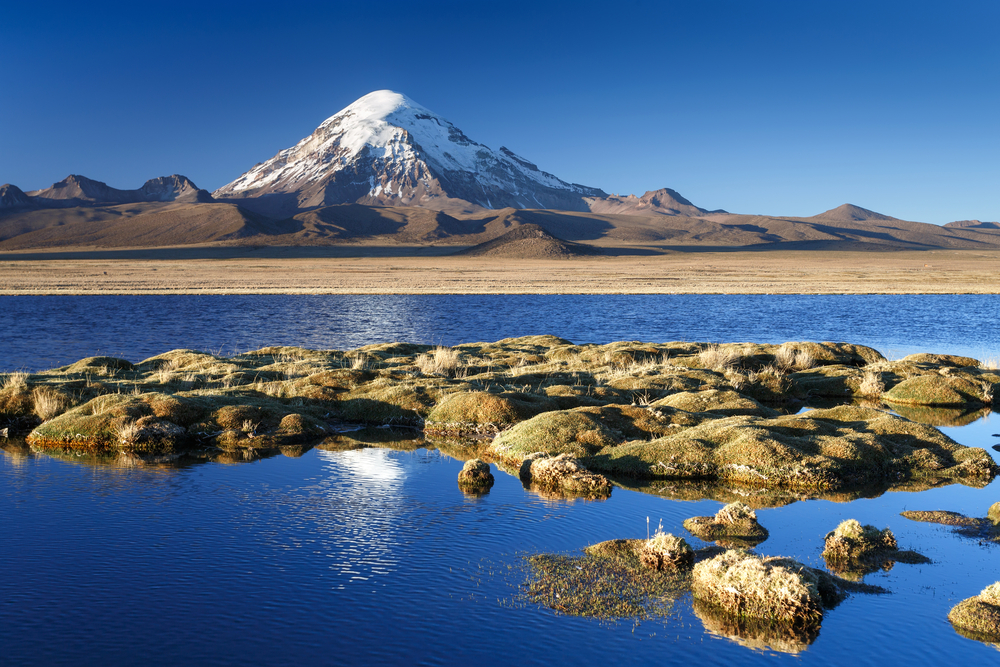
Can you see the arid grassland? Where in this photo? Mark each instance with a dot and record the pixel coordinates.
(401, 270)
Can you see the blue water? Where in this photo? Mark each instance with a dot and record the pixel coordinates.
(375, 557)
(39, 332)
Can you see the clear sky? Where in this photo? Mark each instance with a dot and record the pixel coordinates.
(783, 108)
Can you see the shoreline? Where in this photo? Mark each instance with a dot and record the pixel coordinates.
(301, 271)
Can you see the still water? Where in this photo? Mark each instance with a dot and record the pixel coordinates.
(374, 556)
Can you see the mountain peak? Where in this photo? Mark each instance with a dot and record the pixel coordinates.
(386, 149)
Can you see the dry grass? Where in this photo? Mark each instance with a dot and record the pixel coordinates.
(664, 551)
(127, 432)
(49, 403)
(871, 385)
(16, 380)
(766, 588)
(787, 358)
(443, 361)
(718, 358)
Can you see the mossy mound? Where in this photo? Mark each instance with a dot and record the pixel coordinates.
(993, 514)
(99, 365)
(735, 525)
(942, 517)
(475, 476)
(979, 616)
(823, 449)
(853, 550)
(748, 586)
(723, 402)
(161, 424)
(664, 551)
(565, 473)
(852, 540)
(573, 432)
(950, 360)
(937, 390)
(483, 413)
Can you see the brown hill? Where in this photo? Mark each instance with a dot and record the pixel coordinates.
(654, 202)
(177, 223)
(529, 242)
(75, 190)
(12, 196)
(132, 225)
(973, 224)
(851, 213)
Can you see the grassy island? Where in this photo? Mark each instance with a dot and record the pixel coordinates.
(647, 412)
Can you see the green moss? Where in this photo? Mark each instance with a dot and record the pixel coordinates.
(483, 413)
(942, 360)
(573, 432)
(936, 390)
(723, 402)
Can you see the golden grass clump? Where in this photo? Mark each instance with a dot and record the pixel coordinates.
(475, 475)
(50, 403)
(733, 525)
(851, 540)
(788, 358)
(871, 385)
(16, 380)
(443, 361)
(664, 551)
(718, 358)
(745, 585)
(993, 514)
(978, 617)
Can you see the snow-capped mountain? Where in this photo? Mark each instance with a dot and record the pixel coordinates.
(387, 149)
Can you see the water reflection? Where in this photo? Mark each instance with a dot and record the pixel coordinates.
(756, 634)
(359, 510)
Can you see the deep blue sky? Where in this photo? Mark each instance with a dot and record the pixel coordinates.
(786, 108)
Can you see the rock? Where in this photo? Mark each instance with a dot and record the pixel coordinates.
(475, 476)
(563, 472)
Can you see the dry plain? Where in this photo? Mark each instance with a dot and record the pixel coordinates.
(414, 270)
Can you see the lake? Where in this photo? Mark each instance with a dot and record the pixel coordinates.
(375, 556)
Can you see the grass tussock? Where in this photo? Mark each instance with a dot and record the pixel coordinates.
(442, 361)
(871, 385)
(735, 525)
(50, 403)
(664, 551)
(979, 616)
(565, 473)
(14, 381)
(745, 585)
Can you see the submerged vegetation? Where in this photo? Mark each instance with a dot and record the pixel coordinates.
(564, 416)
